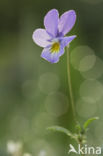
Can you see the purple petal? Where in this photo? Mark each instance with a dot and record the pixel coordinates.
(66, 22)
(61, 52)
(66, 40)
(51, 22)
(41, 37)
(51, 57)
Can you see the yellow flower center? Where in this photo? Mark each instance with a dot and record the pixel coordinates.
(55, 47)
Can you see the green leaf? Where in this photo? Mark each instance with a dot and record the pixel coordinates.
(60, 129)
(89, 121)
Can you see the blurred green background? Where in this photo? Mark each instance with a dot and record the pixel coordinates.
(33, 92)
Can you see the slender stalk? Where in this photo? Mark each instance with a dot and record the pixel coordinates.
(70, 85)
(70, 90)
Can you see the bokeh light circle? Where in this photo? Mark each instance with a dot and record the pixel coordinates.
(85, 109)
(95, 72)
(91, 90)
(40, 122)
(56, 104)
(48, 82)
(87, 63)
(83, 58)
(22, 121)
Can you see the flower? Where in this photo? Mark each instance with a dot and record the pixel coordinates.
(52, 38)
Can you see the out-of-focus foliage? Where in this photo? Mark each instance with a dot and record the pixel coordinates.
(33, 92)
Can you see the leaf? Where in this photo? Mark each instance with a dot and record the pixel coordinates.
(60, 129)
(89, 121)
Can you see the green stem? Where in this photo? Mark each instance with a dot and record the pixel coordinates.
(70, 90)
(70, 85)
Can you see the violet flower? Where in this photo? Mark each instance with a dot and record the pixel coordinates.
(52, 37)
